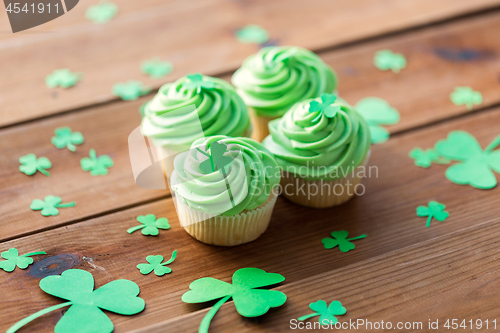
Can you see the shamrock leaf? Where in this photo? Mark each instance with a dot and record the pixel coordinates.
(150, 225)
(96, 165)
(63, 78)
(66, 139)
(327, 313)
(475, 165)
(31, 164)
(130, 90)
(387, 60)
(216, 159)
(196, 81)
(13, 259)
(424, 158)
(248, 300)
(252, 33)
(156, 68)
(155, 263)
(466, 96)
(85, 314)
(325, 107)
(102, 12)
(340, 239)
(376, 112)
(434, 210)
(49, 204)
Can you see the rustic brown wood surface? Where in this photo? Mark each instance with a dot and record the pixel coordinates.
(196, 37)
(402, 272)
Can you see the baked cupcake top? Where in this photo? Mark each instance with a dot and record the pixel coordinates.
(225, 175)
(275, 78)
(321, 138)
(192, 107)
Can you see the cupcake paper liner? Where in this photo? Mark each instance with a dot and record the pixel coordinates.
(260, 125)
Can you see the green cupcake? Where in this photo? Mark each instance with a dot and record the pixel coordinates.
(276, 78)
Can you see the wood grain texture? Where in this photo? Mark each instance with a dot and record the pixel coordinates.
(106, 128)
(291, 246)
(106, 57)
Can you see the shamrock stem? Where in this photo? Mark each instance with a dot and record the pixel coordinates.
(43, 171)
(359, 237)
(40, 313)
(137, 227)
(429, 221)
(308, 316)
(210, 314)
(171, 259)
(201, 151)
(71, 147)
(493, 144)
(33, 254)
(69, 204)
(228, 188)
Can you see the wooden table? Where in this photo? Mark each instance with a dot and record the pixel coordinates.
(402, 272)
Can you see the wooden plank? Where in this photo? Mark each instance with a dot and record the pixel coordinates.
(410, 91)
(106, 57)
(291, 246)
(449, 277)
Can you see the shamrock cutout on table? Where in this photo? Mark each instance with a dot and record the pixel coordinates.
(65, 138)
(387, 60)
(252, 33)
(102, 12)
(424, 158)
(156, 68)
(13, 259)
(196, 81)
(155, 263)
(49, 205)
(325, 107)
(376, 112)
(86, 304)
(97, 165)
(130, 90)
(340, 239)
(475, 165)
(216, 159)
(63, 78)
(31, 164)
(248, 299)
(434, 210)
(150, 225)
(466, 96)
(327, 313)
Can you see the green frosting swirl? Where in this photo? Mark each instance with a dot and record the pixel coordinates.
(192, 107)
(251, 177)
(312, 146)
(275, 78)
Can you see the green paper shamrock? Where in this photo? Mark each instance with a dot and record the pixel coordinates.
(424, 158)
(150, 225)
(49, 205)
(340, 240)
(376, 112)
(248, 299)
(96, 165)
(31, 164)
(102, 12)
(13, 259)
(196, 81)
(434, 210)
(156, 68)
(252, 33)
(65, 138)
(387, 60)
(63, 78)
(86, 304)
(325, 107)
(130, 90)
(216, 159)
(327, 313)
(155, 263)
(466, 96)
(475, 165)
